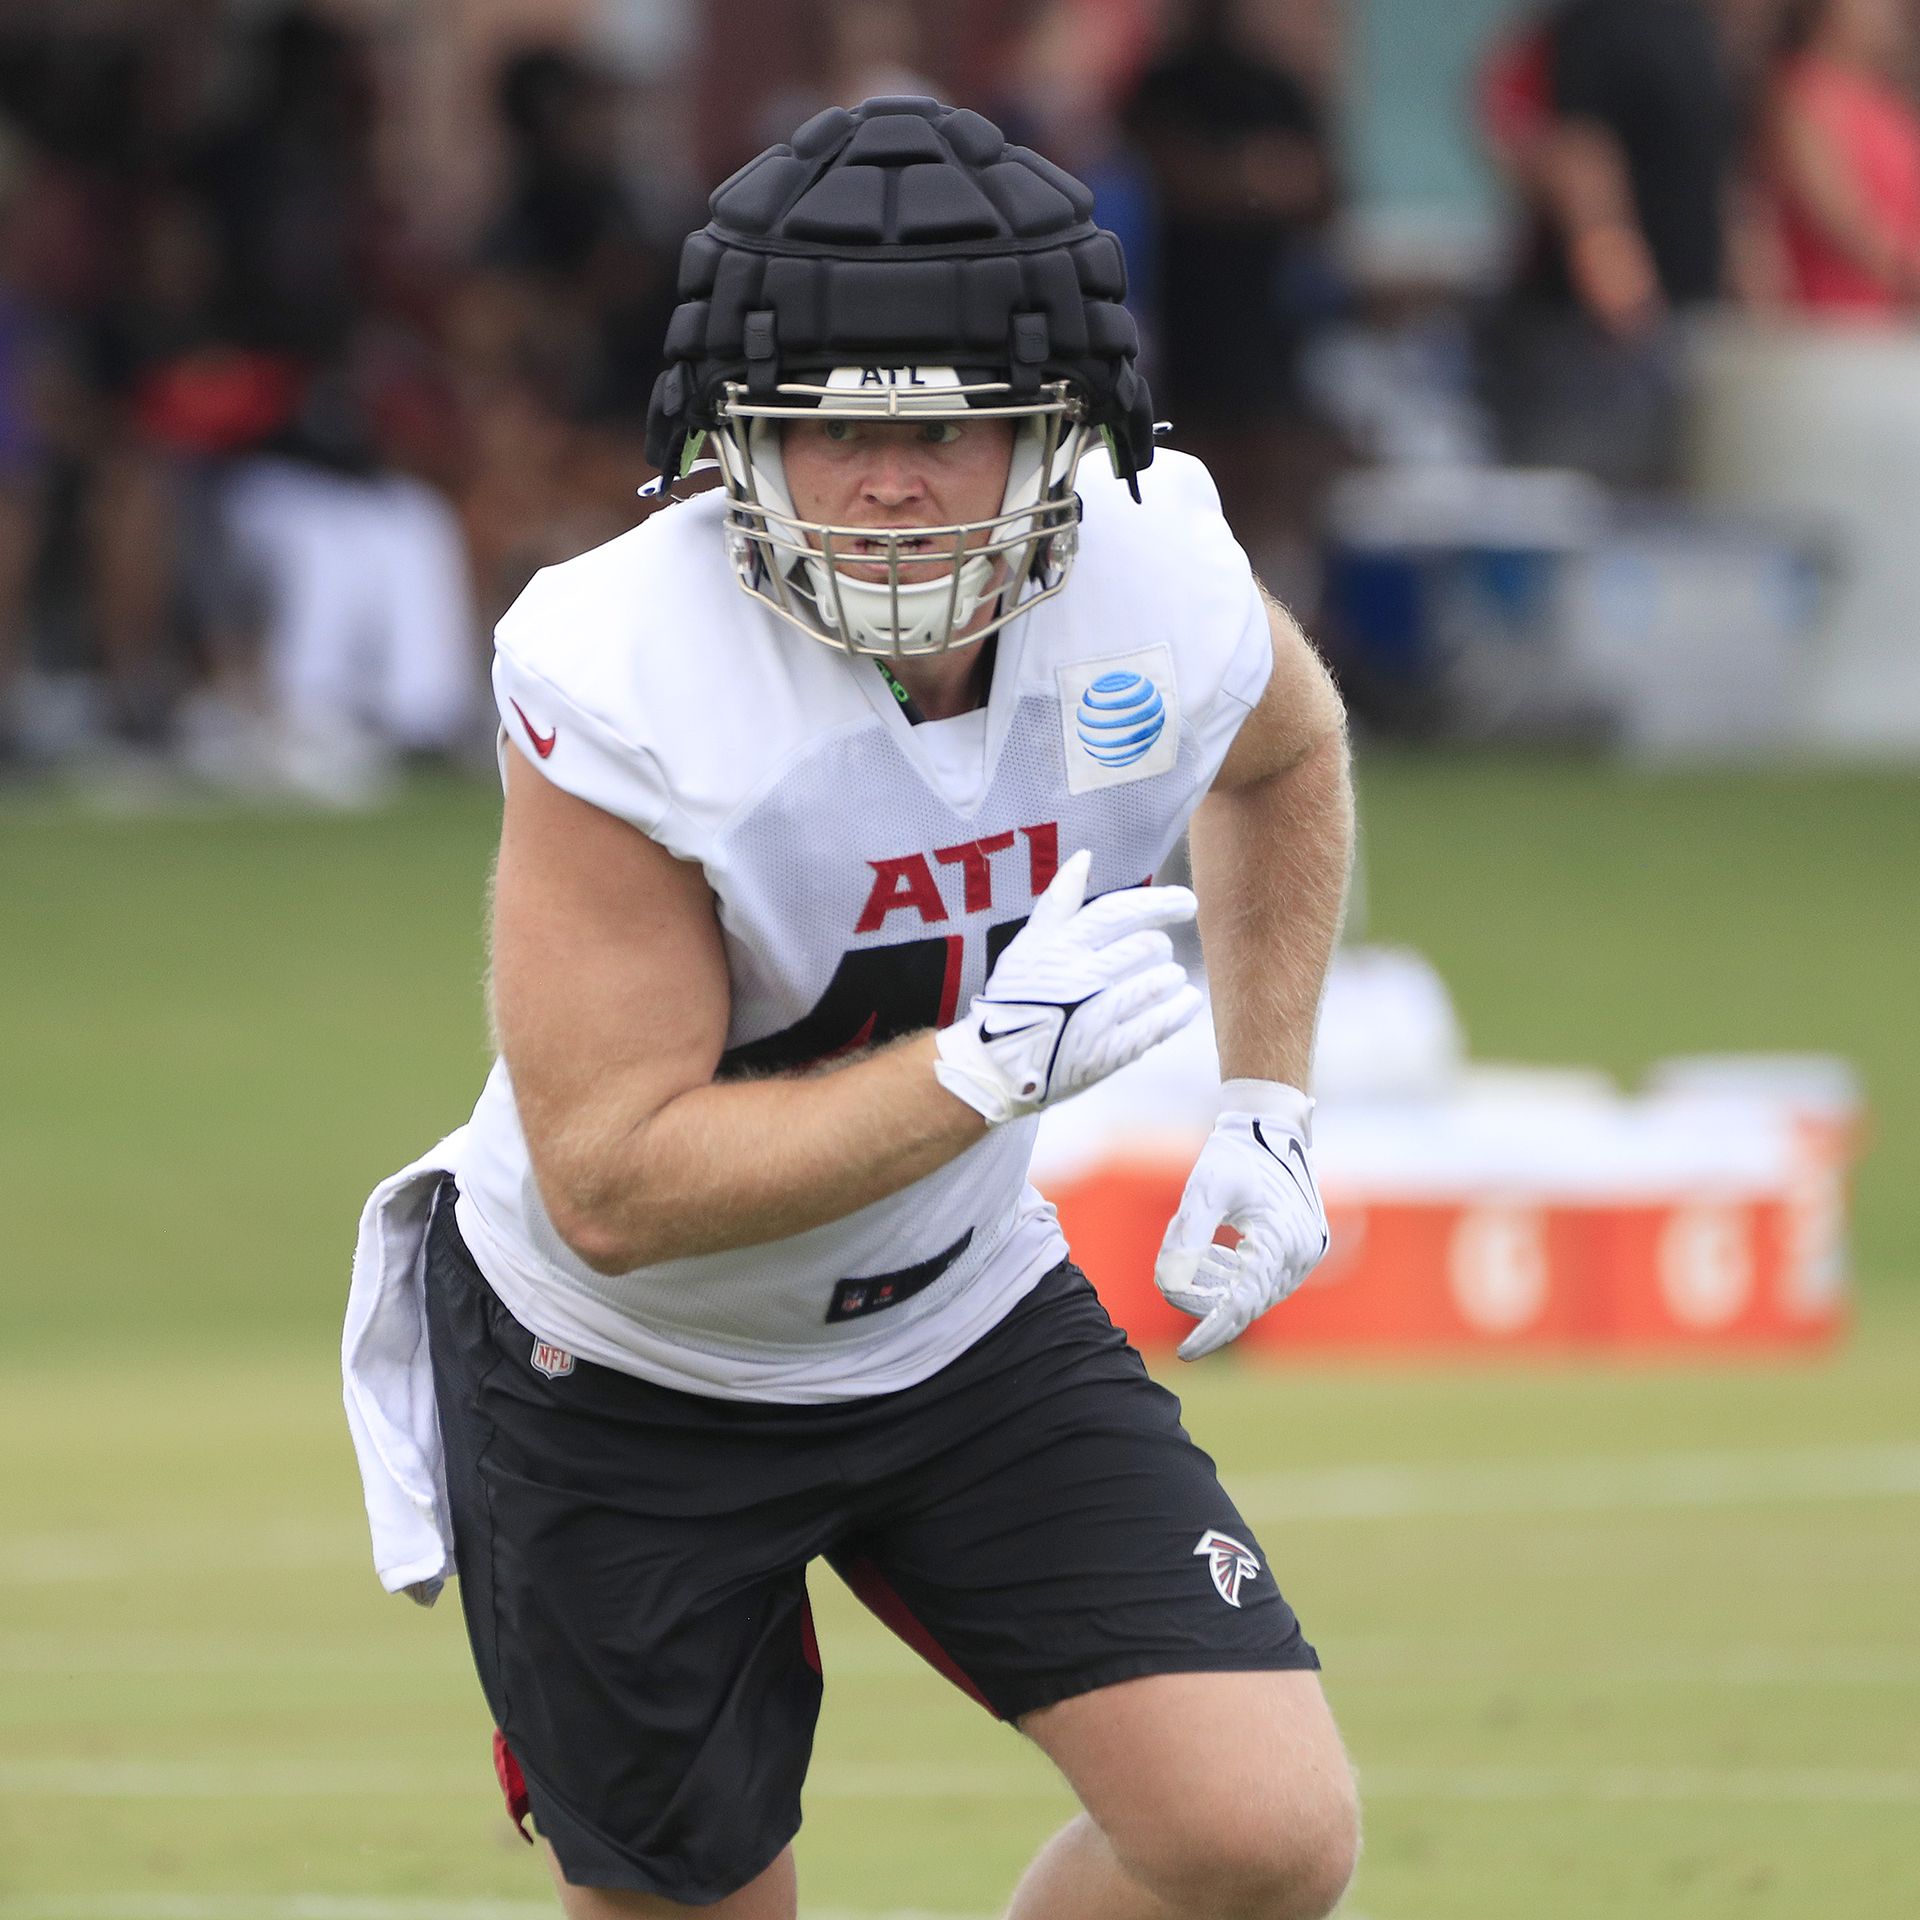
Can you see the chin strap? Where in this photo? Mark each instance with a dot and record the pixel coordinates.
(915, 713)
(908, 704)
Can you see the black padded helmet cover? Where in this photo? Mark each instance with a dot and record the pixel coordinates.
(903, 231)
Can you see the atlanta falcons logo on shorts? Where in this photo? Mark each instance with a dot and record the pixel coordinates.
(1229, 1562)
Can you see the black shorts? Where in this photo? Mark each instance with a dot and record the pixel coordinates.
(633, 1560)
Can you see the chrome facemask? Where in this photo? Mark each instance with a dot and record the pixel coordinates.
(1005, 564)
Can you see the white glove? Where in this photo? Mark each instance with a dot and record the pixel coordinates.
(1080, 992)
(1251, 1175)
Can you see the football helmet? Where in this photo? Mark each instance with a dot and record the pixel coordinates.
(901, 262)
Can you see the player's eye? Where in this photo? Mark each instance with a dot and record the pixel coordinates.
(837, 430)
(940, 433)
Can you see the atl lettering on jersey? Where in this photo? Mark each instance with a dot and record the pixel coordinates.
(906, 882)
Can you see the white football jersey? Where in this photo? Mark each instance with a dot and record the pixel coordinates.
(868, 873)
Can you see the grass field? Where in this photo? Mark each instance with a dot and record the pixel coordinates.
(1624, 1641)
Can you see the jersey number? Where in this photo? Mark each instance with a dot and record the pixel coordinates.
(876, 994)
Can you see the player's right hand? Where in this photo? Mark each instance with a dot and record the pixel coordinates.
(1081, 991)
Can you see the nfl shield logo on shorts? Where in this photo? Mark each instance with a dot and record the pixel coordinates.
(1231, 1563)
(551, 1360)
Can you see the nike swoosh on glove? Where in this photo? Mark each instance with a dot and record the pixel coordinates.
(1253, 1175)
(1083, 989)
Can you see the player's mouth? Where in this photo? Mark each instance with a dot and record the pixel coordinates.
(918, 556)
(903, 543)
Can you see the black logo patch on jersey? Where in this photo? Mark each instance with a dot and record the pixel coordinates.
(855, 1299)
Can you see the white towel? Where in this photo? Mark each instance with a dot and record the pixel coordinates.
(388, 1381)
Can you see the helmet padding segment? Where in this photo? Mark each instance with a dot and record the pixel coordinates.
(902, 230)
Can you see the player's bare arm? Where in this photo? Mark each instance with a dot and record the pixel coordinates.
(610, 994)
(611, 999)
(1272, 846)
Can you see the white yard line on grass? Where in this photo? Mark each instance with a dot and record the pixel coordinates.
(321, 1906)
(164, 1780)
(80, 1651)
(1774, 1476)
(1786, 1476)
(286, 1906)
(1773, 1786)
(869, 1655)
(1756, 1786)
(55, 1559)
(266, 1780)
(1368, 1657)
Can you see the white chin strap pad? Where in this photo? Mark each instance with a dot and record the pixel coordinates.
(911, 617)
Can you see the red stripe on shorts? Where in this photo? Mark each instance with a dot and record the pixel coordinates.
(513, 1783)
(872, 1588)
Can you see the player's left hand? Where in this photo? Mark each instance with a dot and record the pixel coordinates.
(1252, 1175)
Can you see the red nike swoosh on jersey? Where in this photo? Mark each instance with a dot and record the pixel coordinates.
(542, 743)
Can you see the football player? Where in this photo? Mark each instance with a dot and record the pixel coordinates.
(830, 796)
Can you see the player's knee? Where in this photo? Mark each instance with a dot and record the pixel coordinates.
(1289, 1861)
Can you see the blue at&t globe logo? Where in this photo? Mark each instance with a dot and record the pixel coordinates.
(1121, 715)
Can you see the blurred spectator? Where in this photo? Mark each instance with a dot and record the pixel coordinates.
(873, 48)
(1841, 157)
(86, 578)
(570, 236)
(198, 294)
(19, 456)
(557, 330)
(1513, 103)
(1241, 160)
(1617, 120)
(355, 573)
(1063, 77)
(846, 51)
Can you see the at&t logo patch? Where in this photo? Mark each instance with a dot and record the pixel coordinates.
(1120, 718)
(1231, 1562)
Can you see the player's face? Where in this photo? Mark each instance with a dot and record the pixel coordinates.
(894, 474)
